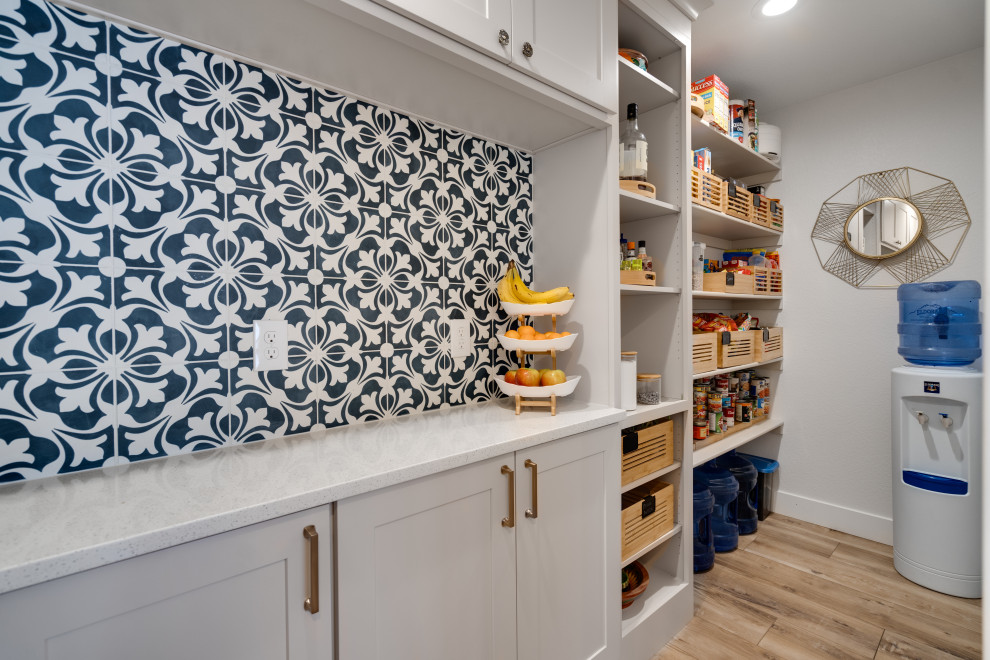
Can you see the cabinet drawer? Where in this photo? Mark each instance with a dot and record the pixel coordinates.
(647, 514)
(704, 352)
(647, 450)
(769, 343)
(729, 282)
(736, 348)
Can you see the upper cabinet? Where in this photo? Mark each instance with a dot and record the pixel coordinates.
(560, 42)
(564, 43)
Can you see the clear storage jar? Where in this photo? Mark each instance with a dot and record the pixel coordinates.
(648, 389)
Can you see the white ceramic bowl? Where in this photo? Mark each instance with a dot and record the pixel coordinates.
(563, 389)
(534, 345)
(517, 309)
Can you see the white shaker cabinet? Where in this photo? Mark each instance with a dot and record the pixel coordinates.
(511, 557)
(241, 594)
(568, 44)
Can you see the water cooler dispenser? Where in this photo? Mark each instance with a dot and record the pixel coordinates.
(936, 426)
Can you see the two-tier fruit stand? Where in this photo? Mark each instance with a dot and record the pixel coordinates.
(543, 396)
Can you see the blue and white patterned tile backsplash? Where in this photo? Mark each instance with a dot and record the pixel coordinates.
(157, 199)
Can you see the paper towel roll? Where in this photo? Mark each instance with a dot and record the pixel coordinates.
(770, 141)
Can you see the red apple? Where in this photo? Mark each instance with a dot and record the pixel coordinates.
(510, 376)
(553, 377)
(527, 377)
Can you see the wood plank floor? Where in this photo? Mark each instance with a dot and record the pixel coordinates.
(795, 590)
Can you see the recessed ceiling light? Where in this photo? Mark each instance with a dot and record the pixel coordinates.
(773, 7)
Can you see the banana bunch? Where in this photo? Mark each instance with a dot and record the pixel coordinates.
(512, 289)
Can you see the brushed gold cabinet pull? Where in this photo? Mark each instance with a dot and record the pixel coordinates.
(312, 602)
(510, 521)
(534, 512)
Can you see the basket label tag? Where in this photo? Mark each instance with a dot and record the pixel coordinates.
(732, 189)
(756, 200)
(766, 334)
(630, 442)
(933, 387)
(649, 505)
(726, 337)
(773, 207)
(730, 279)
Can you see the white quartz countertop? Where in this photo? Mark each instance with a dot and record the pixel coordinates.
(62, 525)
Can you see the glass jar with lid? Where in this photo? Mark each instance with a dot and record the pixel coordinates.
(648, 389)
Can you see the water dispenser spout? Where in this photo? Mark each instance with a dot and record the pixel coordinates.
(946, 420)
(922, 417)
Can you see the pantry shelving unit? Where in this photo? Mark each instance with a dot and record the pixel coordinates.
(655, 321)
(735, 440)
(750, 365)
(638, 290)
(730, 158)
(722, 232)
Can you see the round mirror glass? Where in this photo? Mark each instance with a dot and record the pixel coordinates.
(883, 227)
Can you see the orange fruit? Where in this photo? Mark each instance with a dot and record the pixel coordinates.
(511, 334)
(565, 334)
(526, 332)
(539, 336)
(551, 335)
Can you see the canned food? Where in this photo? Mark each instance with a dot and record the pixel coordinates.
(700, 432)
(729, 415)
(715, 421)
(744, 411)
(700, 395)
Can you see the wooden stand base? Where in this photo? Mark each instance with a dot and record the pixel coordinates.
(536, 403)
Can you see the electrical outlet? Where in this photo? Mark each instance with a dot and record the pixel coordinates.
(460, 338)
(271, 345)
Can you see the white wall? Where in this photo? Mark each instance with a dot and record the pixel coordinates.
(841, 342)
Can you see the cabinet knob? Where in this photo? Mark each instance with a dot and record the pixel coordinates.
(503, 37)
(527, 49)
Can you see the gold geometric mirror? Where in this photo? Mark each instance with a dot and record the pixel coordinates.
(892, 227)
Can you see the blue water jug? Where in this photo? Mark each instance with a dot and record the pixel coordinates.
(745, 474)
(704, 542)
(724, 488)
(939, 323)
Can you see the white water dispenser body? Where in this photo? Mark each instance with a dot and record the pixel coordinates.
(936, 425)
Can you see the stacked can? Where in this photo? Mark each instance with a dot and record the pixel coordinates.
(715, 421)
(723, 401)
(700, 411)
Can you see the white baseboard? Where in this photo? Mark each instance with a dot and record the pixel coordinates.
(858, 523)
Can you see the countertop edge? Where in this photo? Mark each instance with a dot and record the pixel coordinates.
(60, 564)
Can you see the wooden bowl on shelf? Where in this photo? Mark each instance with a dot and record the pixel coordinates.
(639, 579)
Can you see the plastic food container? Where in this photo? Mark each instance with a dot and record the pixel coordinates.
(648, 389)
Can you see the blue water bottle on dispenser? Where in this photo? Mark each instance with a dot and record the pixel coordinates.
(936, 438)
(724, 488)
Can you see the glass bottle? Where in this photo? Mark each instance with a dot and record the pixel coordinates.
(646, 259)
(632, 148)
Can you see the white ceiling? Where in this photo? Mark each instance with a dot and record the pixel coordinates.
(822, 46)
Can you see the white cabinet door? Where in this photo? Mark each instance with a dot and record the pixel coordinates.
(572, 46)
(476, 23)
(235, 595)
(567, 556)
(427, 570)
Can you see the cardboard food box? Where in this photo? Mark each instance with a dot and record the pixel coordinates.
(715, 96)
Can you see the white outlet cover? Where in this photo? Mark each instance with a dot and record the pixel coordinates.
(271, 345)
(460, 338)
